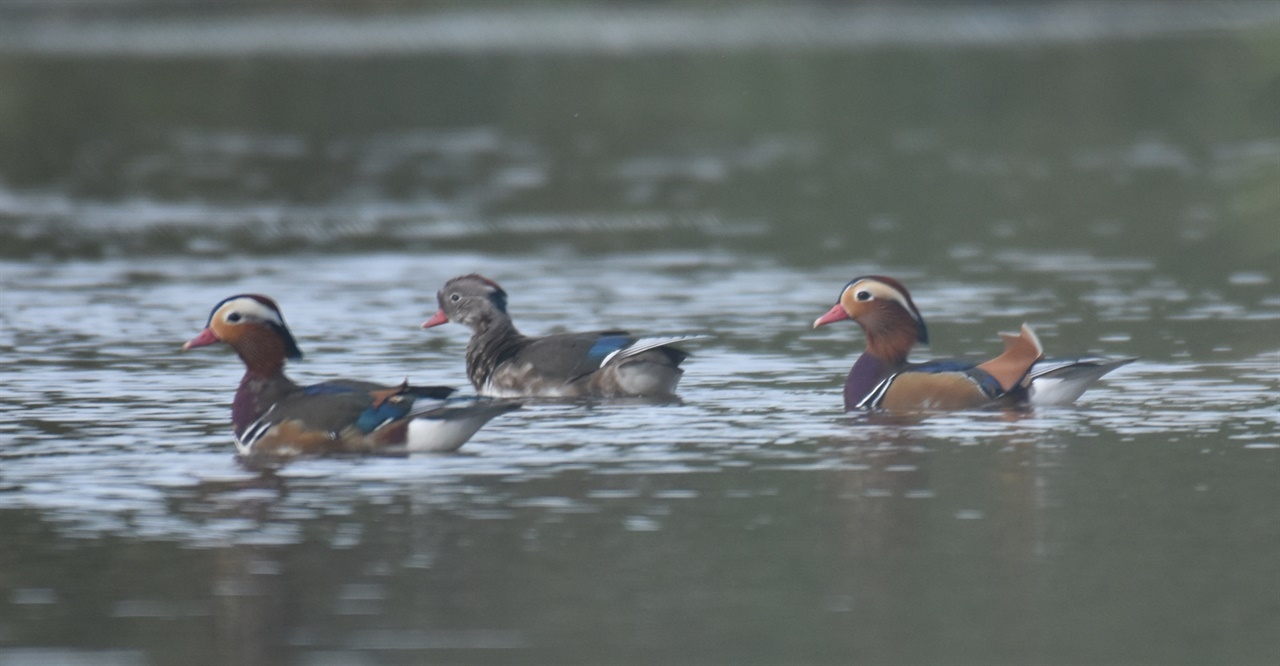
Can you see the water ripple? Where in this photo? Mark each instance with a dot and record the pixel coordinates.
(114, 431)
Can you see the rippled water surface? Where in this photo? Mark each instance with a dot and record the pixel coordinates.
(723, 189)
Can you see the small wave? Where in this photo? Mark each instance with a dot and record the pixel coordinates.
(52, 225)
(630, 31)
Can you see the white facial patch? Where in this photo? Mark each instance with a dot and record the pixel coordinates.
(883, 292)
(250, 308)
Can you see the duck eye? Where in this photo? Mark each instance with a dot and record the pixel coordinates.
(455, 298)
(233, 317)
(863, 295)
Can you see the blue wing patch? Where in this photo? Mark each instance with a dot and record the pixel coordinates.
(389, 410)
(608, 344)
(372, 417)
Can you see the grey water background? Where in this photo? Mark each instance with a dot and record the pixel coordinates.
(1109, 173)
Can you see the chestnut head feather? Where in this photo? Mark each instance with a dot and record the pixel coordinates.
(864, 296)
(233, 318)
(885, 311)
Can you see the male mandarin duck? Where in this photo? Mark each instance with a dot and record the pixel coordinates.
(502, 362)
(273, 416)
(883, 378)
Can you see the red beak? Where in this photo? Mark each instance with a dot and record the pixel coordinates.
(439, 318)
(206, 337)
(836, 313)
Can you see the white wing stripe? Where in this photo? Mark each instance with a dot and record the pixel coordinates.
(645, 344)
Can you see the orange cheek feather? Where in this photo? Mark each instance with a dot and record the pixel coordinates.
(228, 333)
(852, 306)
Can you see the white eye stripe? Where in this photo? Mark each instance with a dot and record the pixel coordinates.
(884, 292)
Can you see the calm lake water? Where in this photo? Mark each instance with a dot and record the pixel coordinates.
(1106, 174)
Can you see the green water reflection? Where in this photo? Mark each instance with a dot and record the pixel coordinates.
(1007, 558)
(1161, 148)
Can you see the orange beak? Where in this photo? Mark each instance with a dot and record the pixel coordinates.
(206, 337)
(439, 318)
(836, 313)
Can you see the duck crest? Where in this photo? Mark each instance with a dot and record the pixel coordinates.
(265, 301)
(884, 309)
(253, 326)
(498, 296)
(888, 318)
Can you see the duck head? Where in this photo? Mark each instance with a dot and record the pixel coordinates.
(472, 300)
(886, 313)
(253, 326)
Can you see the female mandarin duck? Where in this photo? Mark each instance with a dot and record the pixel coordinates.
(883, 378)
(502, 362)
(272, 415)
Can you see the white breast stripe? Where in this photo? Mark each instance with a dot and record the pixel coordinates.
(245, 442)
(877, 394)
